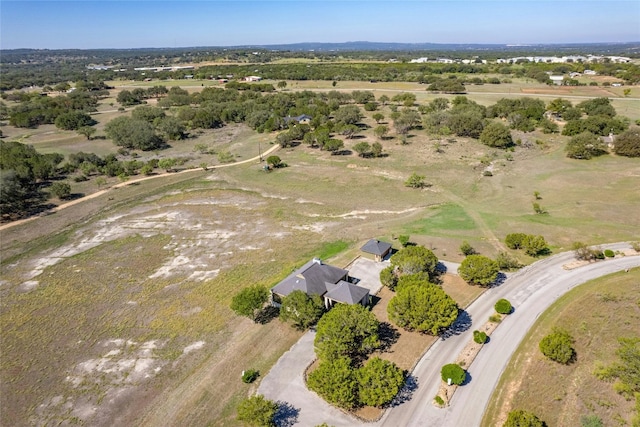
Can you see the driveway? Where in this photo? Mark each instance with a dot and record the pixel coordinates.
(367, 272)
(531, 290)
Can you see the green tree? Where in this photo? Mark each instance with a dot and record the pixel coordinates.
(348, 115)
(346, 331)
(282, 84)
(558, 346)
(86, 131)
(148, 113)
(378, 117)
(521, 418)
(167, 163)
(496, 135)
(415, 259)
(503, 306)
(61, 190)
(171, 128)
(379, 381)
(363, 149)
(74, 120)
(515, 240)
(134, 134)
(535, 245)
(415, 181)
(454, 372)
(249, 301)
(423, 307)
(406, 120)
(376, 149)
(301, 310)
(479, 270)
(333, 145)
(388, 277)
(628, 143)
(257, 411)
(274, 161)
(381, 131)
(335, 380)
(585, 146)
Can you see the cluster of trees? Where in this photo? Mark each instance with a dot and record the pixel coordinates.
(68, 111)
(533, 245)
(418, 304)
(23, 174)
(345, 336)
(137, 96)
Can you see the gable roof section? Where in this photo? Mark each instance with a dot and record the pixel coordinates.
(347, 293)
(376, 247)
(311, 278)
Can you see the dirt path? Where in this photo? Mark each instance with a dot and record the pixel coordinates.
(133, 181)
(484, 228)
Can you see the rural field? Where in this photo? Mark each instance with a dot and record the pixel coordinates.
(563, 394)
(115, 311)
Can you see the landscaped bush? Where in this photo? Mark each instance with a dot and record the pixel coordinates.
(479, 337)
(495, 318)
(250, 376)
(609, 253)
(453, 371)
(439, 400)
(557, 346)
(503, 306)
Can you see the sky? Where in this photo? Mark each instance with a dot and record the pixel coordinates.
(146, 23)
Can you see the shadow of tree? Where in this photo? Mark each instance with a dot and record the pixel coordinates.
(388, 336)
(462, 324)
(267, 314)
(286, 415)
(499, 280)
(467, 378)
(406, 393)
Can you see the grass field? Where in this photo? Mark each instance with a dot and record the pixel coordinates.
(137, 282)
(562, 394)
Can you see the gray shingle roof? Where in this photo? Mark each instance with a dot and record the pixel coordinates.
(347, 293)
(376, 247)
(311, 278)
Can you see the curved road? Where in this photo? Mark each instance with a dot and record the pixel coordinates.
(531, 290)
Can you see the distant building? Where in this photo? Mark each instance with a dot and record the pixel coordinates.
(557, 80)
(419, 60)
(252, 79)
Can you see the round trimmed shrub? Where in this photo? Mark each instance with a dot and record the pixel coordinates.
(480, 337)
(453, 371)
(503, 306)
(250, 376)
(557, 346)
(609, 253)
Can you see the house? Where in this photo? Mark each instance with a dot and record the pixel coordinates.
(379, 249)
(317, 278)
(252, 79)
(557, 79)
(303, 119)
(590, 73)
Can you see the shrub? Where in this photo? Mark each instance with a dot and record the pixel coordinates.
(250, 376)
(557, 346)
(507, 262)
(609, 253)
(503, 306)
(487, 173)
(479, 337)
(478, 269)
(439, 400)
(388, 278)
(522, 418)
(636, 246)
(495, 318)
(591, 421)
(61, 190)
(453, 371)
(467, 249)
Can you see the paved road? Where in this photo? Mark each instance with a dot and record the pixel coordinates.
(531, 290)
